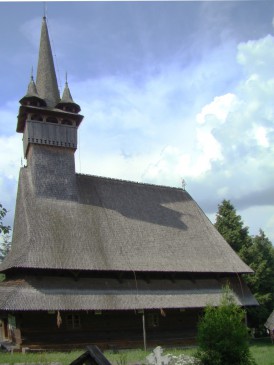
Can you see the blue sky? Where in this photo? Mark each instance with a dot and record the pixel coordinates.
(169, 91)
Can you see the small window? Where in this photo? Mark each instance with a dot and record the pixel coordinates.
(153, 320)
(70, 109)
(34, 103)
(73, 321)
(67, 122)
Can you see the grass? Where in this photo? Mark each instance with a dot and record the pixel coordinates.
(262, 351)
(43, 357)
(122, 357)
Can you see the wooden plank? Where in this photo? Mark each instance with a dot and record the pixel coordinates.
(97, 355)
(93, 356)
(81, 359)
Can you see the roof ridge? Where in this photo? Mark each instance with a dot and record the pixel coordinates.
(131, 181)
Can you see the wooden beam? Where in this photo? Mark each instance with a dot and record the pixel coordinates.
(146, 278)
(144, 331)
(93, 356)
(172, 277)
(120, 278)
(75, 274)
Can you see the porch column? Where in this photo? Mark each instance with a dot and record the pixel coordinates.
(144, 331)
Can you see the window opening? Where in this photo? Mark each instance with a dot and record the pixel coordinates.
(153, 320)
(73, 321)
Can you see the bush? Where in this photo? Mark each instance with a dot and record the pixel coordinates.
(222, 334)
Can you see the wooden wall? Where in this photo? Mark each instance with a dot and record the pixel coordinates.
(117, 328)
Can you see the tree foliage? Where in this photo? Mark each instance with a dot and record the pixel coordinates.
(5, 246)
(260, 257)
(231, 226)
(258, 253)
(223, 335)
(4, 231)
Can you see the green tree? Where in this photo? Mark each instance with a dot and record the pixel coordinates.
(260, 257)
(5, 246)
(223, 335)
(258, 253)
(4, 234)
(231, 226)
(3, 229)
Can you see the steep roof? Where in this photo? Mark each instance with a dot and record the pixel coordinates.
(32, 94)
(32, 90)
(66, 97)
(64, 293)
(67, 100)
(116, 225)
(46, 81)
(270, 321)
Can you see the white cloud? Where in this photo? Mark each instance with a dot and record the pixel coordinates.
(241, 129)
(10, 152)
(257, 56)
(10, 163)
(147, 131)
(218, 109)
(260, 134)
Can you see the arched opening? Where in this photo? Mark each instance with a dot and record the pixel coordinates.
(34, 103)
(70, 108)
(52, 120)
(67, 122)
(37, 117)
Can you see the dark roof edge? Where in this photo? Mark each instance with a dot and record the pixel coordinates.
(131, 182)
(126, 271)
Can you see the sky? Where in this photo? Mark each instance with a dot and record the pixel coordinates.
(172, 92)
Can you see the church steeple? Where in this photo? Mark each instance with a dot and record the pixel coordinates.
(43, 118)
(49, 126)
(46, 81)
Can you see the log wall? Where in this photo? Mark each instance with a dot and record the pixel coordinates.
(106, 328)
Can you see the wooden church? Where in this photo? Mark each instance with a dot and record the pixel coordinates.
(100, 260)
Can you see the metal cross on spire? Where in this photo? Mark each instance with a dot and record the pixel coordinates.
(45, 9)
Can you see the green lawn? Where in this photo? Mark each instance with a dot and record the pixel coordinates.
(262, 350)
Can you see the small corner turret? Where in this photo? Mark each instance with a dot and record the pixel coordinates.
(67, 103)
(32, 98)
(43, 117)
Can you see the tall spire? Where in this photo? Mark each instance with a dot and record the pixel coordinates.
(46, 81)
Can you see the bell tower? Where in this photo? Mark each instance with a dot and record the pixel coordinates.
(49, 125)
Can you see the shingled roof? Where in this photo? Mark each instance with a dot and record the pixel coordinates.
(34, 293)
(117, 225)
(270, 321)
